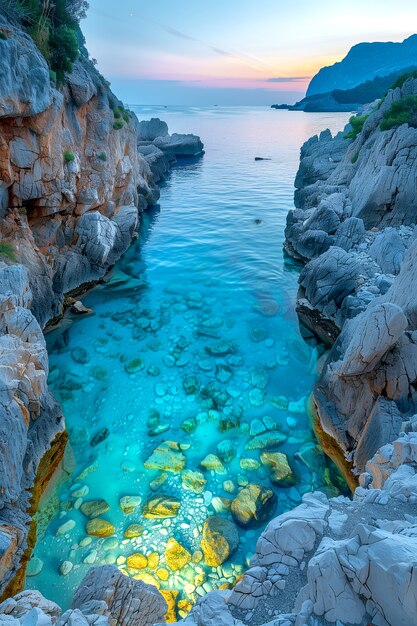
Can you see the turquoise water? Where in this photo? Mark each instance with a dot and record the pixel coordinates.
(203, 304)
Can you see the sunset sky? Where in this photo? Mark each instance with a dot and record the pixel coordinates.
(200, 52)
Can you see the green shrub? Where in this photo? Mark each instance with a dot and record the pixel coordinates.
(22, 211)
(118, 124)
(64, 50)
(117, 114)
(401, 79)
(2, 36)
(68, 156)
(401, 112)
(102, 156)
(126, 116)
(7, 251)
(355, 157)
(52, 76)
(357, 122)
(54, 27)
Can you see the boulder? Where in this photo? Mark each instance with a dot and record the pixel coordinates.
(253, 506)
(100, 528)
(167, 456)
(193, 481)
(176, 556)
(149, 130)
(161, 507)
(129, 602)
(220, 540)
(94, 508)
(180, 145)
(279, 468)
(137, 561)
(377, 330)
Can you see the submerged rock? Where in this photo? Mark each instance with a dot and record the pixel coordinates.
(133, 530)
(34, 567)
(212, 462)
(193, 481)
(220, 540)
(221, 348)
(167, 456)
(100, 528)
(270, 439)
(99, 437)
(253, 506)
(136, 365)
(94, 508)
(191, 384)
(280, 470)
(137, 561)
(226, 451)
(80, 355)
(176, 556)
(129, 504)
(161, 506)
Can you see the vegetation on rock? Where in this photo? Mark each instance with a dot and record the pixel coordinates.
(357, 122)
(54, 26)
(7, 251)
(401, 112)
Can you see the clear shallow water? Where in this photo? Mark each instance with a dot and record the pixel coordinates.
(207, 274)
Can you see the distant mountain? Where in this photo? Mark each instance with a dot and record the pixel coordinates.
(348, 99)
(365, 61)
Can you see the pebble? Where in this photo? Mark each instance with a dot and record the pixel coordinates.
(65, 568)
(65, 528)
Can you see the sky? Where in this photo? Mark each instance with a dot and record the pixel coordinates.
(231, 52)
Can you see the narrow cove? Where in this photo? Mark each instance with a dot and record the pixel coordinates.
(195, 341)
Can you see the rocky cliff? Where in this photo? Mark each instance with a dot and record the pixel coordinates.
(355, 228)
(76, 171)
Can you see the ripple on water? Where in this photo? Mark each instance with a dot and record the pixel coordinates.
(189, 383)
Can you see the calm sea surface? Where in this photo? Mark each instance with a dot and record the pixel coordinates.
(193, 341)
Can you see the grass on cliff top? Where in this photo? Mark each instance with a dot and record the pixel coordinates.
(401, 112)
(7, 251)
(357, 122)
(54, 27)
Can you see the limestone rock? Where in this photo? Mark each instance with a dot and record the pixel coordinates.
(130, 602)
(148, 130)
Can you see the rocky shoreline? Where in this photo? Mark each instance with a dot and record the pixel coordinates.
(68, 214)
